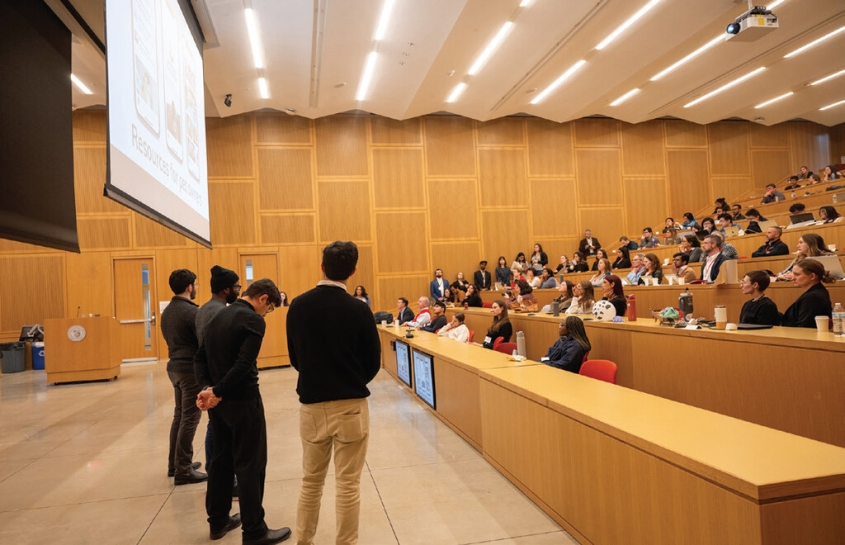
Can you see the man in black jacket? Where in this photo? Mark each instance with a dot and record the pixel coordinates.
(773, 246)
(178, 326)
(482, 278)
(226, 366)
(405, 314)
(713, 258)
(438, 317)
(332, 388)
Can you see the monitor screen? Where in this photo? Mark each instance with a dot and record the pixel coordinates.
(403, 363)
(424, 377)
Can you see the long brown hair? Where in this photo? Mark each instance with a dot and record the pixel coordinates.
(501, 319)
(813, 266)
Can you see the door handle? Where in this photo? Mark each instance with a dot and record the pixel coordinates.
(135, 322)
(152, 319)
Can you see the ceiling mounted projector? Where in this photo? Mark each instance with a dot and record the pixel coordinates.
(752, 25)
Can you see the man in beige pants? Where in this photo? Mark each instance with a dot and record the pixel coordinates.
(332, 387)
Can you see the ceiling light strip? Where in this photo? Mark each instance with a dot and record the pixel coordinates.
(79, 85)
(524, 3)
(456, 92)
(764, 104)
(829, 106)
(491, 48)
(725, 87)
(828, 78)
(384, 20)
(263, 88)
(814, 43)
(631, 20)
(367, 76)
(717, 40)
(558, 82)
(254, 38)
(774, 4)
(624, 97)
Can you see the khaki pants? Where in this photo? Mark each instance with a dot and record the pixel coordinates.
(345, 426)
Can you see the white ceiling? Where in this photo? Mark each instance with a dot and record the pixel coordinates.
(428, 40)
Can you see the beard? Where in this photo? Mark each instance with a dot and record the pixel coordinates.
(231, 298)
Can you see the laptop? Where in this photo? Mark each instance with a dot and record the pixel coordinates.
(764, 225)
(731, 232)
(832, 264)
(801, 220)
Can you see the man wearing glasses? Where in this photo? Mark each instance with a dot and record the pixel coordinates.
(225, 365)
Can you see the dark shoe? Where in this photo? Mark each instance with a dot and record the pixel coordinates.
(172, 472)
(272, 536)
(190, 478)
(234, 522)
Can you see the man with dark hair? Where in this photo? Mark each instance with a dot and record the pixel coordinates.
(772, 195)
(588, 245)
(226, 365)
(753, 218)
(648, 240)
(438, 317)
(405, 314)
(680, 267)
(438, 286)
(759, 309)
(630, 244)
(482, 279)
(793, 184)
(773, 246)
(797, 208)
(713, 257)
(736, 209)
(178, 327)
(332, 388)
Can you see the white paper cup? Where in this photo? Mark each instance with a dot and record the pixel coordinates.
(384, 323)
(666, 261)
(831, 247)
(721, 317)
(655, 281)
(681, 281)
(822, 324)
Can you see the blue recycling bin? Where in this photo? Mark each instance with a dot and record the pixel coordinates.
(37, 356)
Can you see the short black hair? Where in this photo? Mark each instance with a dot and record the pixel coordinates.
(648, 229)
(726, 217)
(684, 257)
(761, 278)
(753, 212)
(440, 304)
(180, 279)
(797, 207)
(340, 259)
(267, 287)
(405, 301)
(793, 178)
(739, 206)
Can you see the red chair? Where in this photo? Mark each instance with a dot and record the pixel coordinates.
(471, 336)
(586, 357)
(486, 305)
(599, 369)
(498, 341)
(505, 348)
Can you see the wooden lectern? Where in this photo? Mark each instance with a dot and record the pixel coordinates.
(79, 349)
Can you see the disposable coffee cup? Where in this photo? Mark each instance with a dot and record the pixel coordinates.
(681, 281)
(655, 281)
(395, 324)
(822, 324)
(666, 261)
(831, 247)
(384, 323)
(721, 317)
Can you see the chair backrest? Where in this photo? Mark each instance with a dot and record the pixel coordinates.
(471, 336)
(485, 304)
(586, 357)
(497, 342)
(505, 348)
(599, 369)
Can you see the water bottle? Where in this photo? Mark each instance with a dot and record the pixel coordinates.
(835, 198)
(632, 309)
(555, 308)
(685, 304)
(520, 343)
(793, 194)
(838, 320)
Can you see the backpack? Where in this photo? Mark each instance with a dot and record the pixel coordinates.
(383, 315)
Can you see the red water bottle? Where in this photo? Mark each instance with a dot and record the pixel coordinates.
(632, 309)
(466, 305)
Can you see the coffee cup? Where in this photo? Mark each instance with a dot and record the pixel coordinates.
(721, 317)
(822, 324)
(681, 281)
(384, 323)
(831, 247)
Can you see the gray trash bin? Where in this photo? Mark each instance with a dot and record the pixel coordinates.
(12, 357)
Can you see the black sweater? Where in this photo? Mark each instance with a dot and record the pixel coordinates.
(764, 311)
(227, 357)
(813, 302)
(179, 329)
(505, 331)
(334, 344)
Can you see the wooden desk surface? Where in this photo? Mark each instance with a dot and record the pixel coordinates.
(756, 461)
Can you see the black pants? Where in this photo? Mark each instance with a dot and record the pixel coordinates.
(186, 417)
(240, 448)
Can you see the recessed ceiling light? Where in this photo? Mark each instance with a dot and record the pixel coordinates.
(814, 43)
(774, 4)
(456, 92)
(717, 40)
(263, 89)
(254, 38)
(559, 81)
(631, 20)
(383, 21)
(79, 85)
(829, 106)
(491, 48)
(764, 104)
(726, 87)
(524, 3)
(624, 97)
(828, 78)
(367, 76)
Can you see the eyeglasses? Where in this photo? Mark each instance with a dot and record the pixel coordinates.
(271, 308)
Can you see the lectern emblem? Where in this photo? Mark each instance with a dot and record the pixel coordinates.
(76, 333)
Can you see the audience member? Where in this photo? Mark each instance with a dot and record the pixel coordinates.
(526, 292)
(828, 214)
(773, 246)
(533, 281)
(539, 259)
(630, 244)
(612, 291)
(721, 204)
(815, 179)
(501, 326)
(652, 270)
(456, 329)
(561, 267)
(516, 275)
(830, 173)
(571, 348)
(728, 249)
(723, 222)
(648, 240)
(670, 231)
(690, 222)
(797, 208)
(713, 258)
(473, 299)
(804, 173)
(520, 263)
(637, 269)
(759, 309)
(809, 274)
(583, 300)
(601, 253)
(548, 279)
(482, 278)
(623, 260)
(681, 268)
(578, 264)
(361, 295)
(691, 246)
(736, 209)
(809, 245)
(285, 300)
(405, 314)
(602, 271)
(437, 286)
(503, 273)
(424, 315)
(451, 297)
(564, 299)
(707, 225)
(438, 317)
(772, 195)
(754, 218)
(460, 284)
(588, 245)
(792, 184)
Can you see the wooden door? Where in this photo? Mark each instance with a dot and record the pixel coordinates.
(274, 348)
(134, 296)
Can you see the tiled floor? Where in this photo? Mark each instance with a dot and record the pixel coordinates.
(86, 464)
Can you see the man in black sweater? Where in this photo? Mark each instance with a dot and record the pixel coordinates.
(178, 326)
(336, 360)
(438, 317)
(226, 366)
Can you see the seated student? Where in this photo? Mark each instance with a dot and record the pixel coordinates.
(809, 245)
(713, 257)
(561, 267)
(815, 179)
(423, 316)
(630, 244)
(603, 270)
(797, 208)
(460, 284)
(721, 204)
(569, 350)
(727, 248)
(501, 326)
(691, 246)
(723, 221)
(637, 270)
(707, 226)
(503, 273)
(577, 264)
(438, 317)
(772, 195)
(792, 184)
(670, 231)
(601, 253)
(526, 291)
(450, 297)
(648, 240)
(624, 259)
(804, 173)
(681, 268)
(753, 218)
(773, 246)
(473, 299)
(532, 280)
(828, 214)
(564, 299)
(516, 276)
(405, 314)
(830, 173)
(547, 280)
(652, 270)
(759, 309)
(456, 329)
(690, 222)
(612, 291)
(584, 298)
(809, 274)
(736, 211)
(361, 295)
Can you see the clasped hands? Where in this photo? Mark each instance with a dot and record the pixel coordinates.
(207, 400)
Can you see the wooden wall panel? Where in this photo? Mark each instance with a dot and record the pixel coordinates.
(455, 257)
(89, 177)
(837, 144)
(553, 207)
(285, 181)
(809, 144)
(684, 134)
(401, 242)
(390, 131)
(505, 232)
(642, 149)
(729, 148)
(449, 146)
(410, 287)
(770, 166)
(550, 148)
(365, 275)
(89, 126)
(206, 259)
(231, 213)
(299, 268)
(229, 146)
(596, 132)
(689, 185)
(103, 233)
(150, 234)
(89, 283)
(287, 229)
(398, 178)
(607, 224)
(505, 131)
(502, 175)
(342, 145)
(271, 128)
(32, 290)
(776, 136)
(344, 212)
(599, 177)
(12, 247)
(167, 261)
(645, 205)
(730, 188)
(453, 209)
